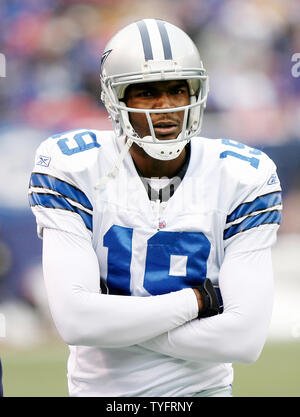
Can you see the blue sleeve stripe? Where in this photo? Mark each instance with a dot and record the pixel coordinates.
(260, 203)
(65, 189)
(58, 202)
(268, 217)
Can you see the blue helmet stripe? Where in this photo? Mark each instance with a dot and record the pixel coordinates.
(146, 40)
(165, 39)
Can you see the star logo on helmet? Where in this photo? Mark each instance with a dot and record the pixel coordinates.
(104, 58)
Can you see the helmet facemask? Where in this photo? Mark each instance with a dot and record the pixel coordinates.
(164, 149)
(184, 65)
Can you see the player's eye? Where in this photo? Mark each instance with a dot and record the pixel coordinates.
(144, 93)
(179, 90)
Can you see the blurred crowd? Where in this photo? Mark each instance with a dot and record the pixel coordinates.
(53, 50)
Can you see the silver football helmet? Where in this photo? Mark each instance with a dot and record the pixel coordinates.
(146, 51)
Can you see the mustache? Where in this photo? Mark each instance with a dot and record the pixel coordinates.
(167, 120)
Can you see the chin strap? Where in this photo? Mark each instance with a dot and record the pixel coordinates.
(112, 174)
(164, 152)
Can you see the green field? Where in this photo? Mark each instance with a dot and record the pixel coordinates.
(41, 372)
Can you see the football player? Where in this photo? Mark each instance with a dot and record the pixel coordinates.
(156, 241)
(1, 386)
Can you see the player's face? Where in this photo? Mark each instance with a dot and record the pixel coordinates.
(158, 95)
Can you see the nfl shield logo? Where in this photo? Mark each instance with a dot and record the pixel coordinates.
(162, 224)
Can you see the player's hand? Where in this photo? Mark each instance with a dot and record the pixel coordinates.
(207, 298)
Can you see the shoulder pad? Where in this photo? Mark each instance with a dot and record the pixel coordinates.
(244, 163)
(71, 151)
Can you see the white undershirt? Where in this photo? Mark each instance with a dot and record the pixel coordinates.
(164, 323)
(72, 279)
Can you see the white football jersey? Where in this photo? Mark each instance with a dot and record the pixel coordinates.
(228, 200)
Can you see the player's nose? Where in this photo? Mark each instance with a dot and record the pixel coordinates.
(163, 101)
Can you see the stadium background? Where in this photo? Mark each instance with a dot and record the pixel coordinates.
(52, 50)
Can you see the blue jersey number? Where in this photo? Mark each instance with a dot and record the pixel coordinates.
(191, 248)
(79, 138)
(254, 162)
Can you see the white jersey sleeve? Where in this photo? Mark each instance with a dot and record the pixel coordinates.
(250, 195)
(58, 195)
(239, 333)
(85, 317)
(254, 198)
(61, 197)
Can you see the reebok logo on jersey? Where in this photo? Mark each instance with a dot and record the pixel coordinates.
(44, 161)
(273, 179)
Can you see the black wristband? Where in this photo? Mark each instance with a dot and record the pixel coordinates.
(210, 300)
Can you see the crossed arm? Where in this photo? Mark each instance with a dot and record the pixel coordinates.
(166, 323)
